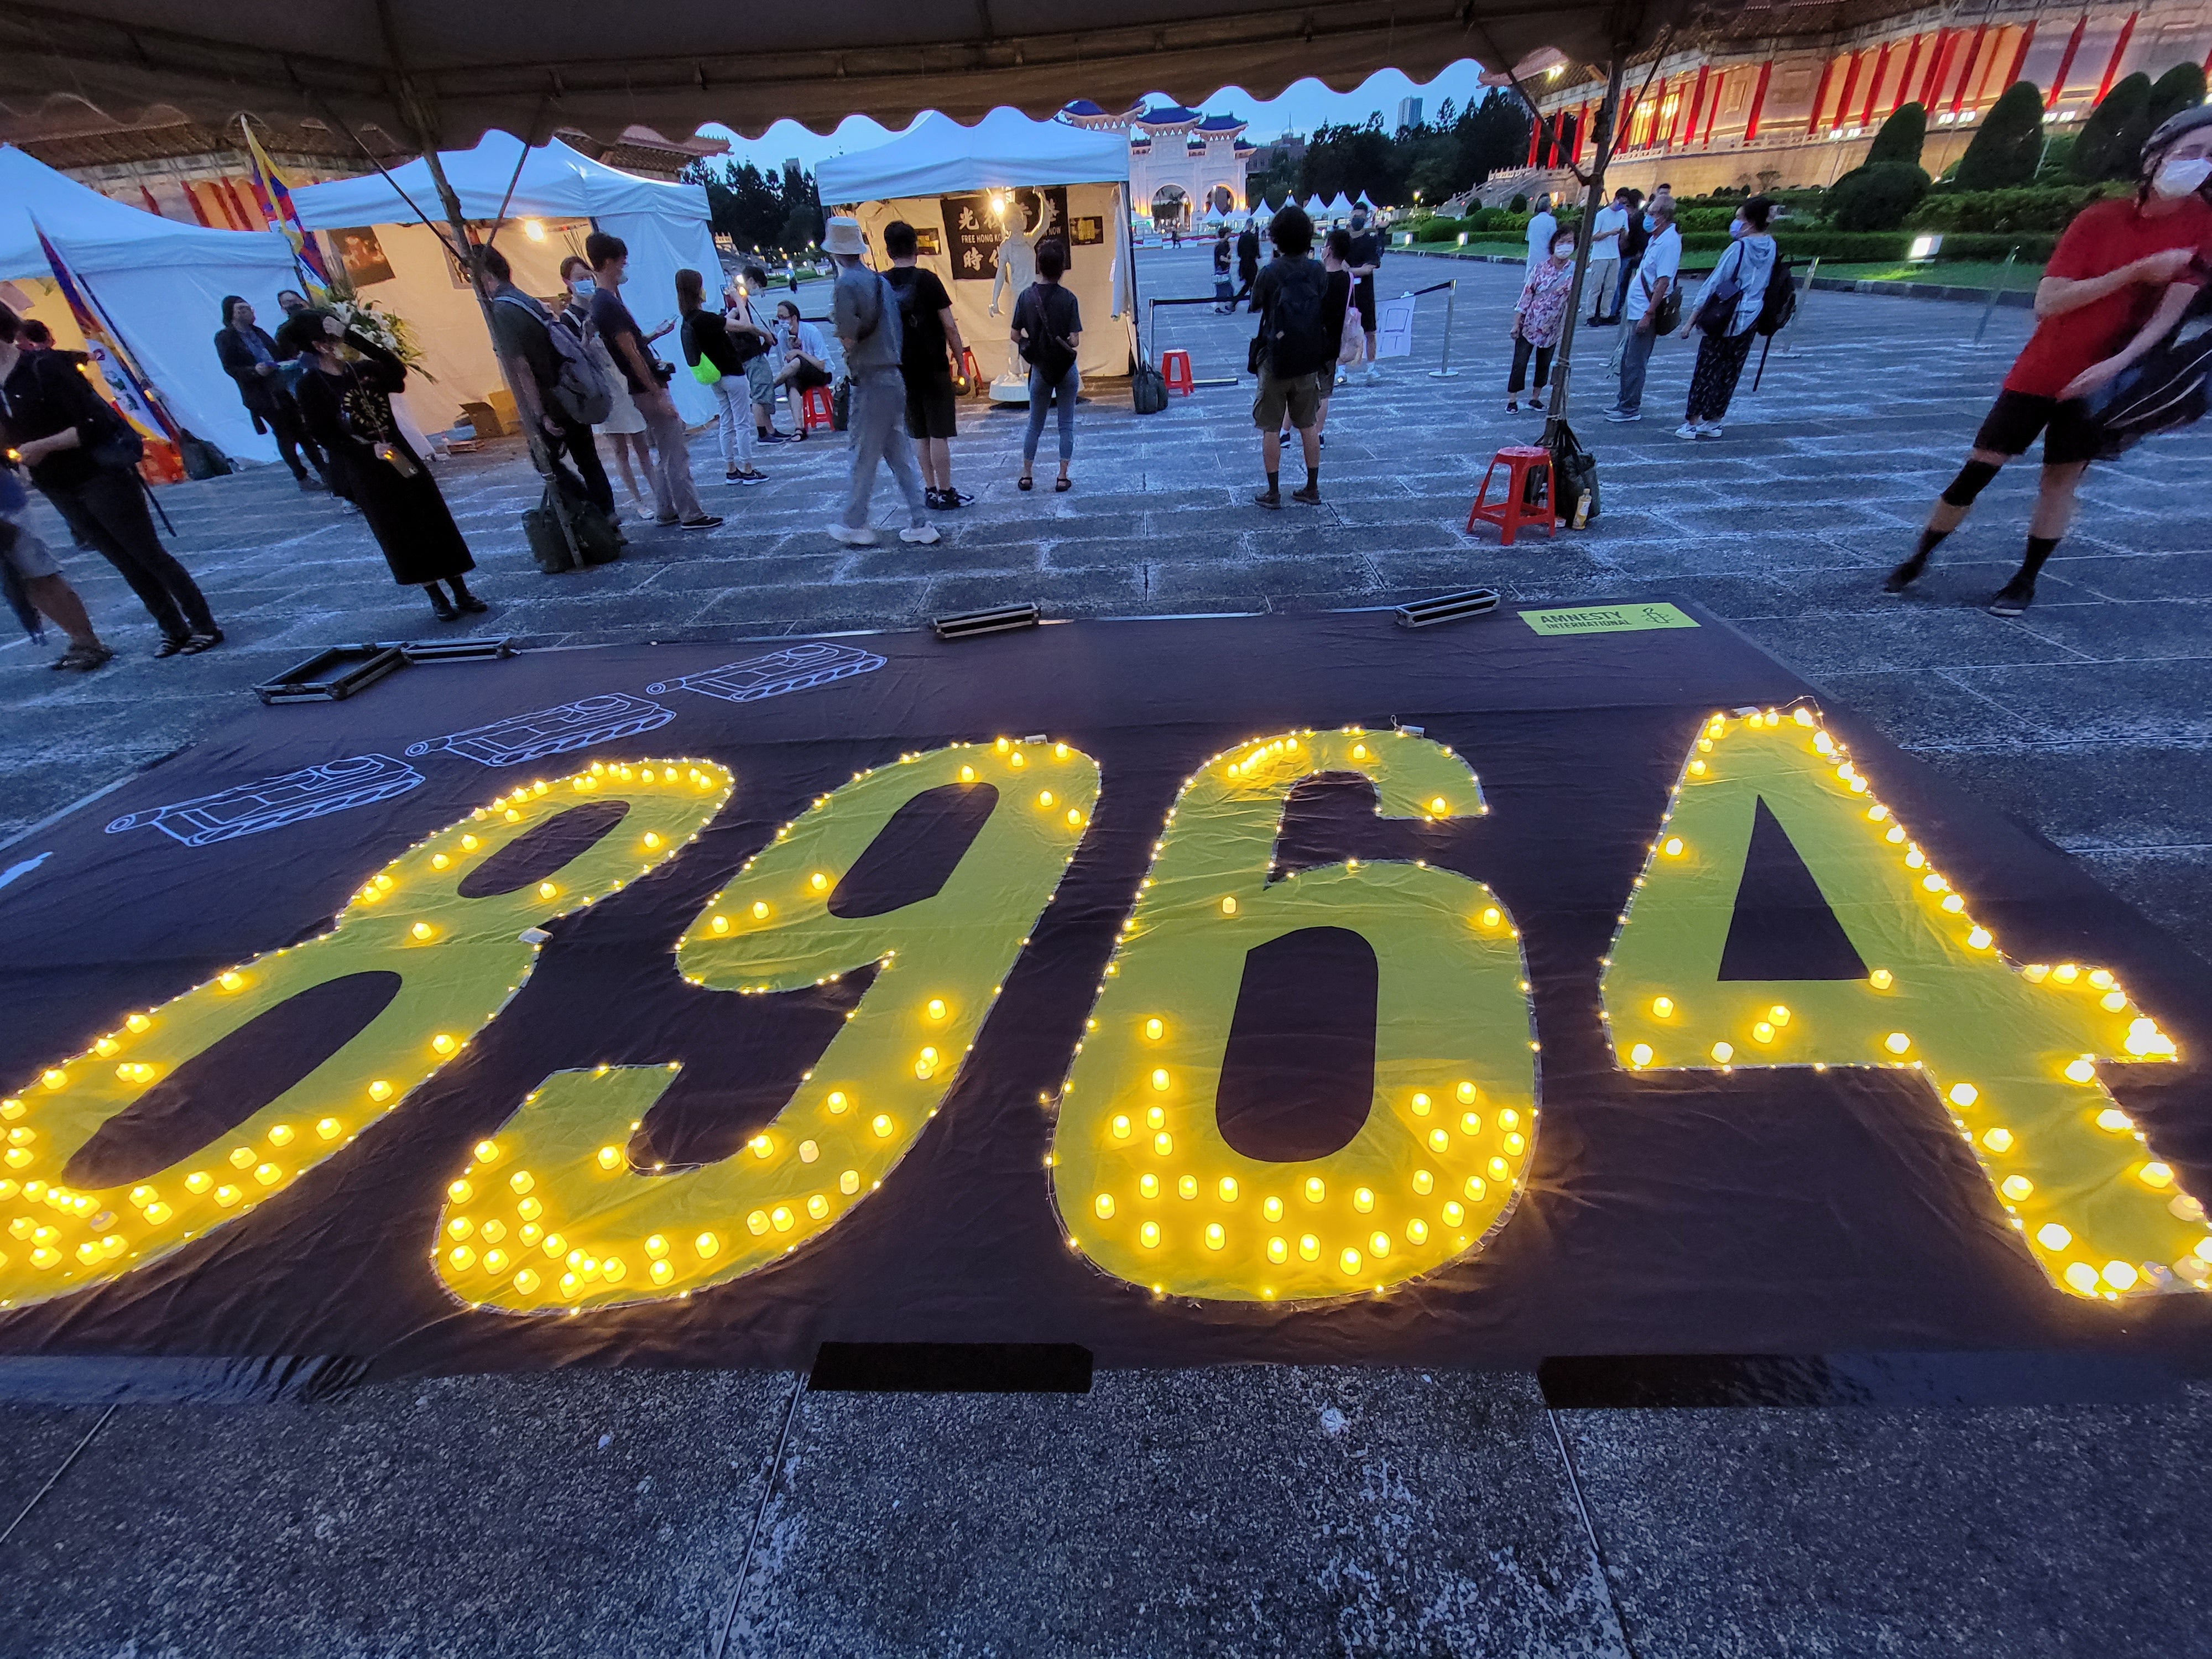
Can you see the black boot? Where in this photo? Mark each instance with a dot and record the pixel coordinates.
(467, 601)
(440, 603)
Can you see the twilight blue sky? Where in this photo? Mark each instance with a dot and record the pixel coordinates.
(1302, 108)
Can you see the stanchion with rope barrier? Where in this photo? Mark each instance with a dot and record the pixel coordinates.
(1444, 370)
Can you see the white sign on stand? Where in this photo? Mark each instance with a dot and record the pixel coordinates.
(1394, 327)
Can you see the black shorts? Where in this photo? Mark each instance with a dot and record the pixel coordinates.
(2016, 417)
(931, 409)
(1363, 295)
(808, 375)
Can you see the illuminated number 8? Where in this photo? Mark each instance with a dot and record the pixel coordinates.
(551, 1215)
(1147, 1185)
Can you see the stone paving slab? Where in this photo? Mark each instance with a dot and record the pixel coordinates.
(2060, 1531)
(601, 1513)
(1233, 1511)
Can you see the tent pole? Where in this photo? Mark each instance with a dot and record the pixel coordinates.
(1593, 199)
(1121, 199)
(526, 408)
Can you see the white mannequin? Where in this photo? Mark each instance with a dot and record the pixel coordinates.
(1017, 270)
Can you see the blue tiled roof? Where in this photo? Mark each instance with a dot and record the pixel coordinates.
(1083, 106)
(1220, 123)
(1168, 115)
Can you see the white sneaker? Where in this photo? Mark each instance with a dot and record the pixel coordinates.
(1374, 373)
(863, 537)
(1707, 429)
(924, 533)
(1688, 429)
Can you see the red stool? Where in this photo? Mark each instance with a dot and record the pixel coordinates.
(818, 411)
(972, 372)
(1175, 369)
(1525, 464)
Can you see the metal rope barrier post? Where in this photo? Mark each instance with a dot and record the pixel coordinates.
(1444, 370)
(1995, 289)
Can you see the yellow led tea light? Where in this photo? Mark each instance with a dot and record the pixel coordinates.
(455, 978)
(2011, 1052)
(943, 961)
(1145, 1182)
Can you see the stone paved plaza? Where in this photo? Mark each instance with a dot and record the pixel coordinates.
(1267, 1511)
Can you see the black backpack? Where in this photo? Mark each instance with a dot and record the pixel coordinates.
(1779, 303)
(1292, 340)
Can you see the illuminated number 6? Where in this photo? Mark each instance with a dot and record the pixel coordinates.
(1148, 1185)
(1913, 981)
(430, 949)
(551, 1214)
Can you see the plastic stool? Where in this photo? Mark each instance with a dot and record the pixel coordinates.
(818, 411)
(972, 370)
(1174, 369)
(1524, 463)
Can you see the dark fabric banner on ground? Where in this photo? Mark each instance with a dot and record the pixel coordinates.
(1744, 1210)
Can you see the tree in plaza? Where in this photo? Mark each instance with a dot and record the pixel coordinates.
(1901, 136)
(2008, 144)
(757, 209)
(2112, 136)
(1352, 159)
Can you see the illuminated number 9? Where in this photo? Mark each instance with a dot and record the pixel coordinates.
(1148, 1185)
(552, 1215)
(422, 956)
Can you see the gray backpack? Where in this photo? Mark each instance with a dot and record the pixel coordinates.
(579, 392)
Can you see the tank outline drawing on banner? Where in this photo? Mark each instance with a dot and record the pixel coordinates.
(273, 803)
(519, 737)
(799, 668)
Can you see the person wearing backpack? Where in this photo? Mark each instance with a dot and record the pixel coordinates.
(1291, 353)
(716, 358)
(1727, 308)
(1048, 332)
(544, 376)
(865, 310)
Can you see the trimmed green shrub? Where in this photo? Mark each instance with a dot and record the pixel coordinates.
(2041, 208)
(2111, 138)
(2057, 164)
(1883, 247)
(2176, 90)
(1519, 204)
(1877, 198)
(1900, 138)
(2005, 149)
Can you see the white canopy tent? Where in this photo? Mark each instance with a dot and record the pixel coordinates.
(160, 284)
(961, 188)
(1316, 209)
(1339, 209)
(559, 196)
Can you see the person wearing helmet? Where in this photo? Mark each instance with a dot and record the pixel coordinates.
(2123, 276)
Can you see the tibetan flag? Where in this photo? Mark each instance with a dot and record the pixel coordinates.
(125, 386)
(275, 200)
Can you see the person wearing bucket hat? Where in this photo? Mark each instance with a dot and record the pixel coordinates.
(2121, 277)
(865, 310)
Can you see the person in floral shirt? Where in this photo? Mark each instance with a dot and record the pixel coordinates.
(1538, 318)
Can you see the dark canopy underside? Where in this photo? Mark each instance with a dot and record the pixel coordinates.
(456, 69)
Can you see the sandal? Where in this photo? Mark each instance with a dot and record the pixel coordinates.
(199, 642)
(1061, 486)
(1026, 481)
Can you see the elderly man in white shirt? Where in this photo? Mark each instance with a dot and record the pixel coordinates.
(1542, 226)
(1661, 268)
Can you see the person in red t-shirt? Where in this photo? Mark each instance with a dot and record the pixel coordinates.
(2121, 277)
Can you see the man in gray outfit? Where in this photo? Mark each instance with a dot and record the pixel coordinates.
(866, 314)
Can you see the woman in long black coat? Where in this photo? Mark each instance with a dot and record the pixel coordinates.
(346, 405)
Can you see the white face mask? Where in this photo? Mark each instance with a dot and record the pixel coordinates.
(2180, 178)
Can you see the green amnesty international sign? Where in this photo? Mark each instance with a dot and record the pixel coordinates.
(1607, 619)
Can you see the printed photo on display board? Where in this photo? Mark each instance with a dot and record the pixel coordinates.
(362, 255)
(977, 228)
(1088, 230)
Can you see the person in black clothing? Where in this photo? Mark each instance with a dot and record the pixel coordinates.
(1248, 262)
(72, 441)
(707, 337)
(520, 328)
(249, 357)
(1365, 257)
(347, 405)
(930, 346)
(1048, 332)
(1292, 297)
(1633, 242)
